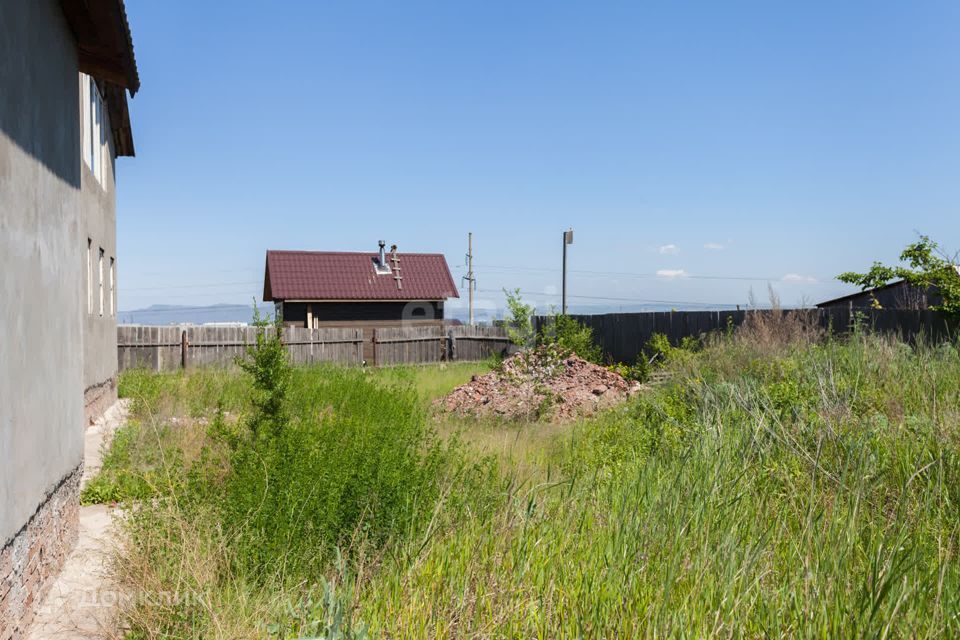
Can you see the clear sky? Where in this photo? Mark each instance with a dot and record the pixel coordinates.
(710, 142)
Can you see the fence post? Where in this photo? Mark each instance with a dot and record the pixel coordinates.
(184, 347)
(451, 345)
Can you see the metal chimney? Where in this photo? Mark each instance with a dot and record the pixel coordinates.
(383, 254)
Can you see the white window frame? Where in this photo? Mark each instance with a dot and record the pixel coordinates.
(89, 276)
(113, 289)
(101, 280)
(95, 143)
(85, 119)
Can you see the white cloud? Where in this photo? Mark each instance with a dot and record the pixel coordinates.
(714, 246)
(671, 273)
(669, 250)
(796, 277)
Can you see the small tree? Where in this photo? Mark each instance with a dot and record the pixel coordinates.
(520, 324)
(929, 267)
(268, 366)
(571, 336)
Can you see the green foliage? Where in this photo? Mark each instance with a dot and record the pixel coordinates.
(927, 268)
(570, 336)
(325, 611)
(268, 367)
(134, 468)
(344, 459)
(809, 494)
(807, 490)
(660, 352)
(639, 371)
(520, 322)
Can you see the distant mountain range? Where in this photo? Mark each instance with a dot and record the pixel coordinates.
(167, 314)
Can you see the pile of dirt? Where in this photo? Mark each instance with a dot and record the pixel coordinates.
(538, 383)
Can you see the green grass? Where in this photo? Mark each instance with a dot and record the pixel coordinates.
(772, 489)
(430, 381)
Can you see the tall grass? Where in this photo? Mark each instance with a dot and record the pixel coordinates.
(322, 468)
(783, 484)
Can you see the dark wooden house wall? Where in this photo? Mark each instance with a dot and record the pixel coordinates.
(364, 315)
(295, 313)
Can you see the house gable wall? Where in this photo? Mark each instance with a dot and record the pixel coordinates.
(48, 208)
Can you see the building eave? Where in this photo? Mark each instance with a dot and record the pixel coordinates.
(104, 42)
(105, 52)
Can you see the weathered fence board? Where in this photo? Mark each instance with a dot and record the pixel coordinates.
(479, 343)
(415, 345)
(622, 335)
(171, 348)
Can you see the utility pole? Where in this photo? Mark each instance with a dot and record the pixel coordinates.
(567, 239)
(471, 281)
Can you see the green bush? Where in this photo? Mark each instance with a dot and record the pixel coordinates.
(660, 352)
(570, 336)
(639, 371)
(322, 461)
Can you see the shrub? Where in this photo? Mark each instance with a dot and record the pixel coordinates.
(520, 323)
(323, 461)
(660, 352)
(570, 336)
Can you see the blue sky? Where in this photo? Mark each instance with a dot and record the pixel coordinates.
(710, 142)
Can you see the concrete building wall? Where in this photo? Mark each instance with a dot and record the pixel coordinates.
(41, 318)
(98, 225)
(41, 338)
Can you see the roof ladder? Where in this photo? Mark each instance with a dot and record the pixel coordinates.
(396, 270)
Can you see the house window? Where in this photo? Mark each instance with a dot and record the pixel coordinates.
(89, 276)
(101, 280)
(93, 116)
(113, 288)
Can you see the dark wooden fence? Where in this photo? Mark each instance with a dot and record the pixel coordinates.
(172, 348)
(412, 345)
(622, 335)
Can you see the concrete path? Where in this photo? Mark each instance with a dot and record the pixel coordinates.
(82, 602)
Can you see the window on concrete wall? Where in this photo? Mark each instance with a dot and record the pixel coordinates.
(95, 127)
(89, 276)
(113, 288)
(85, 116)
(101, 280)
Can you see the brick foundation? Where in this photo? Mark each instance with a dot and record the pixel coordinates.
(31, 561)
(98, 399)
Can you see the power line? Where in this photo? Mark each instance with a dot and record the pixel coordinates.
(627, 274)
(616, 299)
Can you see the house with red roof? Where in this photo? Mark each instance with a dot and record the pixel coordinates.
(358, 289)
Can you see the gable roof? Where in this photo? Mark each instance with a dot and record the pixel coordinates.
(339, 275)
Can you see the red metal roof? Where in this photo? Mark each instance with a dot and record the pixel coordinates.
(336, 275)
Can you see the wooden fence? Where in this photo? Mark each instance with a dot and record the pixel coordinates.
(411, 345)
(622, 335)
(172, 348)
